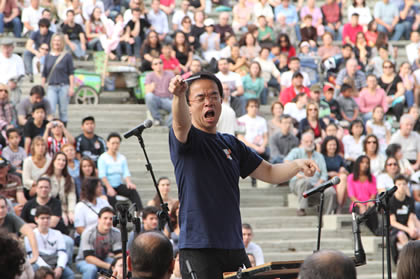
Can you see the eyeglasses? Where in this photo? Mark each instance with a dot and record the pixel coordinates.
(391, 164)
(369, 142)
(387, 67)
(213, 97)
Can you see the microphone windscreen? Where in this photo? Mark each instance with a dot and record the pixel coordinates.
(148, 123)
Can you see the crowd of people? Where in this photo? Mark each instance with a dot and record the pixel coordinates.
(352, 109)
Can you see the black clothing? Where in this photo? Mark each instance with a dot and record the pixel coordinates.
(91, 148)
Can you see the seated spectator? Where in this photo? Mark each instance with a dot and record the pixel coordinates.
(348, 106)
(274, 124)
(136, 30)
(150, 49)
(359, 7)
(194, 69)
(253, 83)
(331, 15)
(62, 186)
(73, 165)
(393, 85)
(182, 50)
(323, 264)
(96, 252)
(12, 224)
(387, 17)
(297, 107)
(262, 7)
(210, 41)
(382, 39)
(94, 29)
(315, 13)
(336, 166)
(226, 52)
(180, 14)
(404, 223)
(227, 121)
(7, 113)
(412, 48)
(362, 51)
(174, 235)
(35, 126)
(376, 63)
(56, 135)
(37, 38)
(327, 49)
(290, 12)
(224, 28)
(372, 150)
(11, 186)
(409, 261)
(395, 150)
(150, 219)
(411, 94)
(380, 128)
(187, 29)
(90, 204)
(35, 165)
(385, 180)
(30, 17)
(312, 122)
(158, 19)
(351, 75)
(74, 36)
(238, 63)
(197, 29)
(335, 113)
(13, 152)
(281, 27)
(241, 16)
(9, 18)
(87, 169)
(324, 108)
(76, 6)
(308, 31)
(414, 112)
(361, 186)
(265, 32)
(300, 183)
(164, 185)
(353, 143)
(13, 263)
(88, 143)
(294, 67)
(333, 130)
(282, 141)
(170, 62)
(351, 29)
(36, 96)
(269, 71)
(251, 247)
(157, 94)
(409, 141)
(371, 97)
(235, 84)
(285, 46)
(289, 93)
(114, 173)
(371, 34)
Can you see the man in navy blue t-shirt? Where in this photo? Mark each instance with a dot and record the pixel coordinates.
(207, 169)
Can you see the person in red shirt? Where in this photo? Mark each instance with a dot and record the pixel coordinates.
(351, 29)
(170, 63)
(9, 17)
(289, 93)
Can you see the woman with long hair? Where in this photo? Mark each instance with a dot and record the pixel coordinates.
(34, 166)
(94, 29)
(87, 209)
(73, 165)
(313, 122)
(62, 186)
(182, 50)
(371, 149)
(336, 166)
(151, 48)
(285, 46)
(380, 128)
(372, 33)
(241, 16)
(253, 83)
(274, 124)
(174, 221)
(353, 142)
(409, 262)
(391, 169)
(58, 74)
(164, 185)
(361, 186)
(249, 47)
(372, 97)
(362, 51)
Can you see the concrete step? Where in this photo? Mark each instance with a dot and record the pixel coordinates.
(294, 233)
(284, 245)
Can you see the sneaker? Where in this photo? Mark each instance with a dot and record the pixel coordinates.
(31, 78)
(300, 212)
(156, 122)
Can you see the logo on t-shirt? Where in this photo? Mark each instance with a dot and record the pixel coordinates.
(228, 152)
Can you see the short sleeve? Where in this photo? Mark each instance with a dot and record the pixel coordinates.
(101, 167)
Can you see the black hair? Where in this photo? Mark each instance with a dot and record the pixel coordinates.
(43, 178)
(42, 210)
(12, 257)
(366, 140)
(104, 210)
(252, 100)
(286, 37)
(113, 135)
(347, 46)
(294, 58)
(356, 168)
(151, 252)
(70, 11)
(354, 122)
(400, 177)
(88, 190)
(392, 149)
(345, 87)
(149, 210)
(11, 130)
(325, 142)
(38, 106)
(38, 90)
(44, 22)
(43, 271)
(201, 76)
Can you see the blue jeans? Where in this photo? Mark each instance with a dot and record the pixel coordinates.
(124, 47)
(409, 98)
(400, 30)
(89, 271)
(69, 248)
(15, 23)
(155, 103)
(78, 52)
(27, 61)
(336, 33)
(95, 44)
(137, 46)
(67, 272)
(59, 94)
(417, 206)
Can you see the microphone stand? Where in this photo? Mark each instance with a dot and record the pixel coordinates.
(162, 214)
(384, 206)
(321, 209)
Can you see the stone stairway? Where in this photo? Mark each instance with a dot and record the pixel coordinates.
(281, 234)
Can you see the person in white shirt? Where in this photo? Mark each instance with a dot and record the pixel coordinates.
(158, 19)
(294, 66)
(89, 6)
(51, 246)
(297, 109)
(234, 80)
(412, 49)
(251, 247)
(227, 121)
(31, 16)
(180, 14)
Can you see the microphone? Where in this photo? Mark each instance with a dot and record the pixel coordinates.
(190, 270)
(359, 252)
(334, 181)
(139, 129)
(387, 194)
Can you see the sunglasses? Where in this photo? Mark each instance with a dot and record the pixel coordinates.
(371, 142)
(391, 164)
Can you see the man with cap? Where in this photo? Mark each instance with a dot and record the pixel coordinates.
(11, 68)
(289, 93)
(324, 108)
(88, 143)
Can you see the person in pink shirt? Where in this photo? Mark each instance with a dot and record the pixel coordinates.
(370, 97)
(316, 14)
(361, 186)
(168, 6)
(351, 29)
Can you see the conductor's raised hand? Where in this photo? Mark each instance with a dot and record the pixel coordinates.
(308, 167)
(178, 86)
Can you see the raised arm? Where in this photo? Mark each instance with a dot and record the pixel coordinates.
(181, 123)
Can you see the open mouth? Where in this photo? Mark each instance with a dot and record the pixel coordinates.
(209, 114)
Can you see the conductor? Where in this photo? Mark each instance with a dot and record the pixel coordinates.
(207, 169)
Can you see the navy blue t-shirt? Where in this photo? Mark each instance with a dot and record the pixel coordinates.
(334, 163)
(207, 170)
